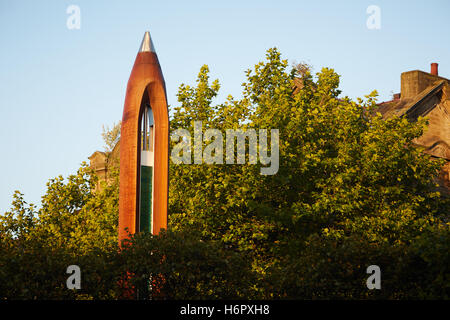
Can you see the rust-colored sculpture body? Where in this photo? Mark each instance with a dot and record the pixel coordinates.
(146, 89)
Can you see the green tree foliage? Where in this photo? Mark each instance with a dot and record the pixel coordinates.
(345, 173)
(181, 266)
(111, 136)
(352, 190)
(74, 225)
(72, 215)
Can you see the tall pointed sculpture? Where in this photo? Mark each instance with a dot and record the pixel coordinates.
(144, 147)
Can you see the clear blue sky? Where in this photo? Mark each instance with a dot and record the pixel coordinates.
(59, 86)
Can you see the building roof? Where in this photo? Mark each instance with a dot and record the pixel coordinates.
(412, 107)
(424, 94)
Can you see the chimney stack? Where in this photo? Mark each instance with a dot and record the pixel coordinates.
(434, 69)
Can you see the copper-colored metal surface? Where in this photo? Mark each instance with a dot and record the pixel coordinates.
(146, 83)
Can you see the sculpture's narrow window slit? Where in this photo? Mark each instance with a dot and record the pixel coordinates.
(147, 159)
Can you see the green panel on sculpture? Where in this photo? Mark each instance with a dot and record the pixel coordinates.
(145, 216)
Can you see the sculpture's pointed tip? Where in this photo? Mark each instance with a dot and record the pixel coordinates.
(147, 44)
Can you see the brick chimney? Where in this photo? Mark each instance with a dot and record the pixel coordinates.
(415, 81)
(434, 69)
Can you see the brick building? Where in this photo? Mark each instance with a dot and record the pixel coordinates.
(426, 94)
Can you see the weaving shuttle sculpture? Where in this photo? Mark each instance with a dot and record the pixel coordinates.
(144, 147)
